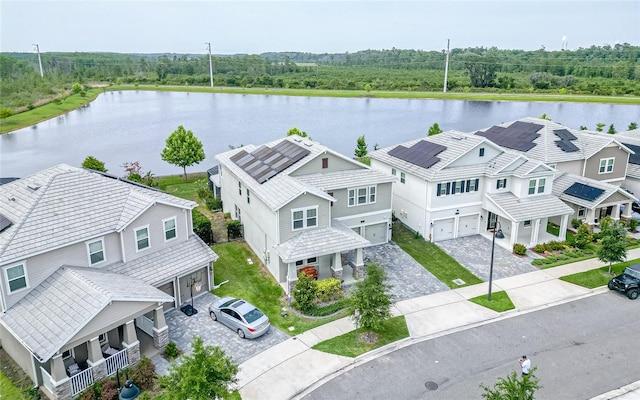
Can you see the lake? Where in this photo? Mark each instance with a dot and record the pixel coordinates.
(128, 126)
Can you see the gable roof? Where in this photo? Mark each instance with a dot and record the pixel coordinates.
(600, 191)
(62, 205)
(57, 309)
(282, 186)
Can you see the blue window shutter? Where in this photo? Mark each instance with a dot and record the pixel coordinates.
(448, 188)
(468, 184)
(439, 186)
(477, 183)
(462, 186)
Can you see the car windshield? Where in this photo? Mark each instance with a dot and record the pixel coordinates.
(632, 272)
(253, 315)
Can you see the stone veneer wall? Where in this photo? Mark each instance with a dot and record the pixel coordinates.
(133, 351)
(160, 338)
(63, 391)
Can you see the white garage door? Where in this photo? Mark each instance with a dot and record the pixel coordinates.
(468, 225)
(442, 229)
(376, 234)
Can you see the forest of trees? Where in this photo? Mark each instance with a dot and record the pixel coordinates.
(604, 70)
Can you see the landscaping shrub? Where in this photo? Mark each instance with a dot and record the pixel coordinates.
(109, 390)
(144, 373)
(555, 245)
(583, 237)
(305, 292)
(171, 351)
(575, 223)
(234, 228)
(202, 226)
(214, 203)
(329, 290)
(633, 225)
(519, 249)
(539, 248)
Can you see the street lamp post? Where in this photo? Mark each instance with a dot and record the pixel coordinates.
(496, 233)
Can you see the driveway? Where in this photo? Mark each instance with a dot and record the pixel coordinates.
(474, 253)
(183, 328)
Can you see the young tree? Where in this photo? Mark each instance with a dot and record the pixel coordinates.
(434, 129)
(513, 388)
(93, 163)
(361, 147)
(205, 374)
(600, 126)
(611, 130)
(632, 126)
(296, 131)
(545, 116)
(183, 149)
(613, 246)
(372, 299)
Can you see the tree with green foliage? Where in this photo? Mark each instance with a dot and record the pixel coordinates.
(613, 245)
(207, 373)
(545, 117)
(583, 128)
(582, 237)
(434, 129)
(296, 131)
(76, 88)
(611, 130)
(632, 126)
(183, 149)
(513, 388)
(5, 112)
(481, 69)
(202, 226)
(361, 147)
(600, 126)
(372, 299)
(305, 292)
(93, 163)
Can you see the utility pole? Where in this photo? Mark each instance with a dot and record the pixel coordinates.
(39, 60)
(446, 69)
(210, 63)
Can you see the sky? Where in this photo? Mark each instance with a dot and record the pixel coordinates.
(254, 27)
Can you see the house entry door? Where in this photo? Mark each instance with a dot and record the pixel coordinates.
(491, 221)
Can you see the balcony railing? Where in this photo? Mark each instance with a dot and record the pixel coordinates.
(81, 381)
(84, 378)
(117, 361)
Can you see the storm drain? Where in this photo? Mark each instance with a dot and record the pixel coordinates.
(431, 385)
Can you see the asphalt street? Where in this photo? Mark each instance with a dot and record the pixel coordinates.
(581, 349)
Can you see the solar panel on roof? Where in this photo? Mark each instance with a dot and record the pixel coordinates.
(566, 146)
(582, 191)
(634, 158)
(564, 134)
(422, 154)
(518, 136)
(4, 222)
(266, 162)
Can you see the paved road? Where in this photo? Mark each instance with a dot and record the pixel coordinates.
(581, 348)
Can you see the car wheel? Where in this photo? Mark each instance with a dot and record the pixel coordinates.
(213, 315)
(610, 285)
(632, 294)
(241, 333)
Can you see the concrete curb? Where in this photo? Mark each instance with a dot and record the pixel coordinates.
(620, 393)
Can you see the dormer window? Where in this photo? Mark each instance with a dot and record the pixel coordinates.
(539, 183)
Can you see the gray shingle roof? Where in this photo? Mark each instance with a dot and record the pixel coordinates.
(565, 180)
(347, 178)
(533, 207)
(70, 205)
(162, 266)
(54, 311)
(319, 242)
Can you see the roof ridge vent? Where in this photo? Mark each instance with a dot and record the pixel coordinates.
(456, 137)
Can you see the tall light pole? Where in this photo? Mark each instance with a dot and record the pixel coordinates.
(210, 63)
(446, 69)
(496, 233)
(39, 60)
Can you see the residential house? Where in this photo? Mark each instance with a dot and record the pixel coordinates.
(455, 184)
(89, 263)
(303, 205)
(631, 139)
(602, 159)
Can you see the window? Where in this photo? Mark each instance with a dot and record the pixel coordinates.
(142, 238)
(481, 151)
(304, 218)
(96, 251)
(532, 186)
(312, 260)
(237, 212)
(170, 229)
(469, 185)
(527, 222)
(539, 183)
(325, 163)
(472, 185)
(361, 196)
(502, 183)
(402, 177)
(240, 188)
(16, 278)
(67, 354)
(442, 189)
(299, 263)
(457, 187)
(103, 338)
(393, 171)
(581, 211)
(552, 166)
(248, 197)
(606, 165)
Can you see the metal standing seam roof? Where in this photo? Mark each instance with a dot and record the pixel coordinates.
(66, 205)
(318, 242)
(563, 181)
(528, 208)
(161, 266)
(57, 309)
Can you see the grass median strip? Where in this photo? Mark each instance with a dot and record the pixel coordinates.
(500, 301)
(393, 330)
(598, 277)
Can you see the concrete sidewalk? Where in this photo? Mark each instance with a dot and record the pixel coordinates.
(291, 368)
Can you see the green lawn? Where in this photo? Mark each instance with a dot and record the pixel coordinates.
(253, 283)
(9, 391)
(175, 185)
(393, 330)
(598, 277)
(500, 301)
(432, 258)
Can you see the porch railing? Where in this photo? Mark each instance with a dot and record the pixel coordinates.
(81, 381)
(46, 379)
(120, 360)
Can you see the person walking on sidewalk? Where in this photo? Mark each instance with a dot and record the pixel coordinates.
(525, 363)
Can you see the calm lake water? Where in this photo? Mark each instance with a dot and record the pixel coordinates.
(130, 126)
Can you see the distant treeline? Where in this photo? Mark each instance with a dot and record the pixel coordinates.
(605, 70)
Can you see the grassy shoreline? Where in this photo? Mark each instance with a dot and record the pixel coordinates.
(73, 102)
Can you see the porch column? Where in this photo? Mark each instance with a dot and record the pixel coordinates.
(292, 277)
(615, 213)
(535, 232)
(358, 266)
(96, 360)
(130, 339)
(58, 371)
(160, 329)
(627, 210)
(515, 229)
(564, 223)
(336, 266)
